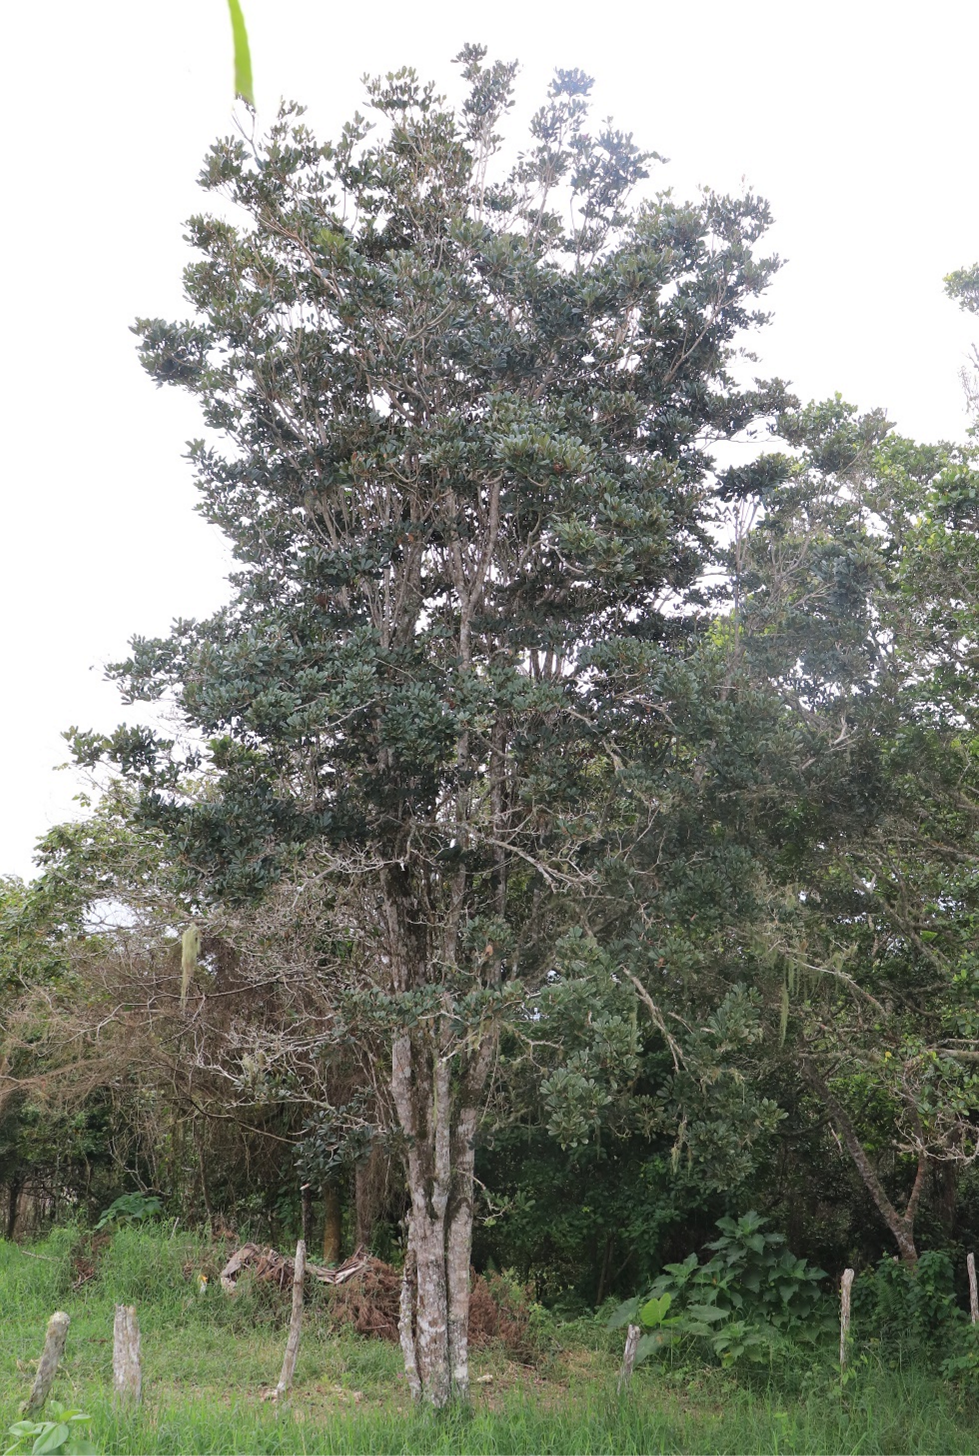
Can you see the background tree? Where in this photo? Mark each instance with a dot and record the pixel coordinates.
(859, 610)
(209, 1066)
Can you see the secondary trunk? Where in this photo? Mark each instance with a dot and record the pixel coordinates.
(458, 1251)
(332, 1224)
(370, 1190)
(421, 1086)
(13, 1205)
(901, 1225)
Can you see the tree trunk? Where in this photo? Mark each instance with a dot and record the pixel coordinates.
(370, 1183)
(439, 1164)
(205, 1195)
(603, 1273)
(431, 1312)
(422, 1089)
(363, 1204)
(439, 1069)
(435, 1306)
(333, 1225)
(13, 1205)
(459, 1251)
(900, 1225)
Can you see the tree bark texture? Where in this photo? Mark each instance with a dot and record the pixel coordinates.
(970, 1265)
(439, 1071)
(54, 1348)
(439, 1122)
(459, 1237)
(295, 1324)
(332, 1225)
(127, 1375)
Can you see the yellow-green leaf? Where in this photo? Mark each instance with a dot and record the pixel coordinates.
(243, 56)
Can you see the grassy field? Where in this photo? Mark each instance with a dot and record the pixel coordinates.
(209, 1360)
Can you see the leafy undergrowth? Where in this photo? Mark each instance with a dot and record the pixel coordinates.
(209, 1361)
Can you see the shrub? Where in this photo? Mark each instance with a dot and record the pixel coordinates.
(751, 1298)
(904, 1308)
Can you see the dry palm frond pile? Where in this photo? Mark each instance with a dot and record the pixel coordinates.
(366, 1295)
(269, 1266)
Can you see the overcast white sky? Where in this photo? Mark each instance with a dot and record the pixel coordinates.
(856, 120)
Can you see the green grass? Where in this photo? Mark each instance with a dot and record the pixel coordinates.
(569, 1422)
(207, 1361)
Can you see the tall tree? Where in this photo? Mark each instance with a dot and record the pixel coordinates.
(458, 423)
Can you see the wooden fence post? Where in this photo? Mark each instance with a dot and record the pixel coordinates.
(629, 1356)
(295, 1323)
(54, 1348)
(127, 1377)
(970, 1264)
(845, 1287)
